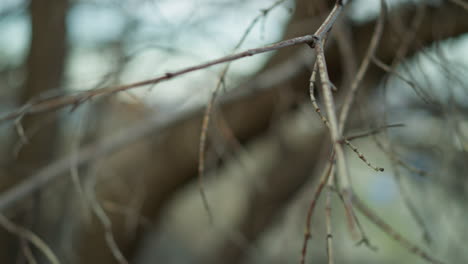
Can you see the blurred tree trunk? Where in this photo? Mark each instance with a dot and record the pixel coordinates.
(45, 68)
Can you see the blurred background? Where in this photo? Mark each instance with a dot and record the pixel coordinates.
(114, 178)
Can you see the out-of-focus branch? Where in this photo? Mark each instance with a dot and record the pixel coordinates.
(211, 102)
(323, 181)
(44, 71)
(294, 150)
(182, 127)
(349, 99)
(460, 3)
(29, 236)
(39, 105)
(392, 233)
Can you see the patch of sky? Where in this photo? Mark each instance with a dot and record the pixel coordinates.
(365, 10)
(438, 72)
(9, 4)
(16, 36)
(186, 32)
(93, 24)
(169, 36)
(174, 34)
(382, 189)
(197, 35)
(86, 70)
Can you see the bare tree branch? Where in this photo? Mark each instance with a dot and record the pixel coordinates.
(51, 103)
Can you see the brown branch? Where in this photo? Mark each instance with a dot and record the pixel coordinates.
(209, 110)
(86, 154)
(323, 182)
(291, 156)
(29, 236)
(395, 162)
(108, 233)
(374, 218)
(376, 36)
(342, 169)
(288, 69)
(335, 128)
(257, 92)
(55, 102)
(362, 157)
(329, 227)
(372, 132)
(325, 121)
(419, 91)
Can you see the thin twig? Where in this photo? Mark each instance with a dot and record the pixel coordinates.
(416, 88)
(362, 157)
(392, 233)
(342, 168)
(323, 181)
(330, 188)
(331, 113)
(313, 78)
(107, 225)
(74, 168)
(408, 166)
(116, 142)
(345, 42)
(373, 131)
(410, 205)
(409, 34)
(350, 98)
(352, 214)
(325, 121)
(201, 157)
(395, 160)
(126, 211)
(209, 110)
(404, 194)
(27, 251)
(20, 131)
(326, 26)
(29, 236)
(91, 200)
(331, 110)
(329, 227)
(92, 151)
(364, 238)
(56, 102)
(376, 36)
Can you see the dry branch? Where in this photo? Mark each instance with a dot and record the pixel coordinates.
(39, 105)
(392, 233)
(263, 99)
